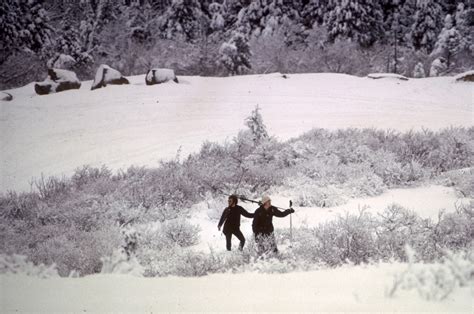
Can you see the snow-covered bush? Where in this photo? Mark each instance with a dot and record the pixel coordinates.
(19, 264)
(435, 281)
(181, 232)
(120, 263)
(419, 71)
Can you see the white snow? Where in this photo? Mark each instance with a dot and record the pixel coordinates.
(344, 289)
(138, 124)
(387, 75)
(66, 76)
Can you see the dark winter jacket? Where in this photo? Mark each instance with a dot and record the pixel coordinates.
(263, 219)
(231, 216)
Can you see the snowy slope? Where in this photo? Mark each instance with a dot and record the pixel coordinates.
(345, 289)
(138, 124)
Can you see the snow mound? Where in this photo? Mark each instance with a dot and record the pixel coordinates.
(376, 76)
(465, 77)
(158, 76)
(106, 75)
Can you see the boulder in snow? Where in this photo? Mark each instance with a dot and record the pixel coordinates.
(6, 96)
(158, 76)
(377, 76)
(465, 77)
(58, 80)
(106, 75)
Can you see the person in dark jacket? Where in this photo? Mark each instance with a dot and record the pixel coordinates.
(262, 226)
(231, 220)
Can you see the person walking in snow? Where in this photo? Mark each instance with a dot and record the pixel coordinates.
(231, 220)
(262, 226)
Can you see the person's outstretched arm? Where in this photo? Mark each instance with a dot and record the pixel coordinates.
(279, 213)
(245, 213)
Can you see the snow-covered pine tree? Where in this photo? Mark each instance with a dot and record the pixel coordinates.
(255, 123)
(24, 26)
(313, 12)
(235, 54)
(98, 14)
(184, 19)
(139, 21)
(464, 21)
(419, 71)
(426, 25)
(449, 42)
(360, 20)
(217, 11)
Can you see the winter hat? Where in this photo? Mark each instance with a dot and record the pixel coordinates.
(265, 199)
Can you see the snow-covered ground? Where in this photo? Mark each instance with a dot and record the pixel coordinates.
(138, 124)
(345, 289)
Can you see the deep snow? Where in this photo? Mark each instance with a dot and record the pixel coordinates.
(344, 289)
(138, 124)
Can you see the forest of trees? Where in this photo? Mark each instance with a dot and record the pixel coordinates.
(415, 38)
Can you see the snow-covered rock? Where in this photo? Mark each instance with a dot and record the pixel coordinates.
(106, 75)
(158, 76)
(465, 77)
(58, 80)
(376, 76)
(6, 96)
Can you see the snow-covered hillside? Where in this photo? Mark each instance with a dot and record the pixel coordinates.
(138, 124)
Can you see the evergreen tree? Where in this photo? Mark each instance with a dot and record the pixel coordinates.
(235, 54)
(419, 71)
(184, 19)
(314, 11)
(257, 128)
(359, 20)
(426, 25)
(25, 26)
(464, 21)
(217, 11)
(449, 41)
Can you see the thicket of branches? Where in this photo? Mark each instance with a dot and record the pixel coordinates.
(75, 221)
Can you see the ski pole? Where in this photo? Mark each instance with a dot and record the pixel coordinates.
(291, 226)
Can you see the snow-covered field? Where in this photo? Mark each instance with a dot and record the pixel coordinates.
(345, 289)
(138, 124)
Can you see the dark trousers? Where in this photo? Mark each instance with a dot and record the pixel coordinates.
(266, 243)
(238, 234)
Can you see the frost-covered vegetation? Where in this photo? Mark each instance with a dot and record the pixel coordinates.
(413, 38)
(78, 223)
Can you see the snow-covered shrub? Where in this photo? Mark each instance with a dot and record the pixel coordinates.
(72, 249)
(419, 71)
(121, 263)
(455, 231)
(181, 232)
(87, 175)
(308, 193)
(398, 227)
(19, 265)
(435, 281)
(438, 67)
